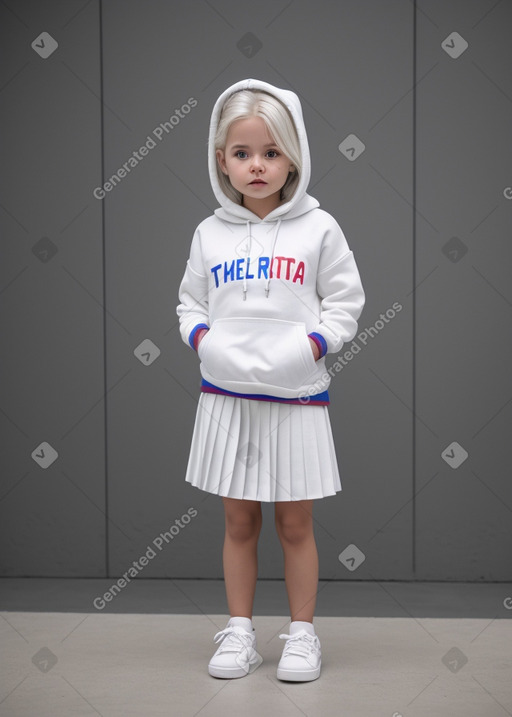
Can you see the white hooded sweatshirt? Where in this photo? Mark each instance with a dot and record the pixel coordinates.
(263, 286)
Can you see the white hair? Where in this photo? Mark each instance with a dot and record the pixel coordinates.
(257, 103)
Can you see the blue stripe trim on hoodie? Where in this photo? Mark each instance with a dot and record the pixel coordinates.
(193, 333)
(319, 399)
(320, 342)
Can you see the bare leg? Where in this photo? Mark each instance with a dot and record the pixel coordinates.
(294, 525)
(240, 554)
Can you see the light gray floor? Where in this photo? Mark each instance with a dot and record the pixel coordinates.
(388, 650)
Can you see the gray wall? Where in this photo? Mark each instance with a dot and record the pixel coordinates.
(92, 360)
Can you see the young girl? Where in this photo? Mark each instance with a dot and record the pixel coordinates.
(270, 288)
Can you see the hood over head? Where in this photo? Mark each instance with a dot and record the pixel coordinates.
(300, 202)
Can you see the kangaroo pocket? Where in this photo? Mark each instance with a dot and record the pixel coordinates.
(273, 352)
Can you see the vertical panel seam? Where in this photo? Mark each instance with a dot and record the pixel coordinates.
(105, 393)
(414, 94)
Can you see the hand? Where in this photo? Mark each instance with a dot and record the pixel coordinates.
(316, 350)
(200, 335)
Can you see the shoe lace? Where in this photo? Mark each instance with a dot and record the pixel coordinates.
(301, 643)
(231, 639)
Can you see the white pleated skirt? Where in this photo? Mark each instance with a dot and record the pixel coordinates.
(262, 450)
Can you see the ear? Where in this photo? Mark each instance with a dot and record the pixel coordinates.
(221, 160)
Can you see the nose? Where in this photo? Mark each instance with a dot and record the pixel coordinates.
(257, 164)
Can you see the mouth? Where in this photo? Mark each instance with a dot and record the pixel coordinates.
(257, 181)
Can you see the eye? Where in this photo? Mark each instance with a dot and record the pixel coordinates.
(240, 151)
(274, 152)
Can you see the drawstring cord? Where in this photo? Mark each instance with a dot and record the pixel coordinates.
(267, 285)
(247, 257)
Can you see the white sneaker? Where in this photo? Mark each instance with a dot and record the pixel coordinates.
(236, 656)
(301, 659)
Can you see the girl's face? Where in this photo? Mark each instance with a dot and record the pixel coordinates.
(255, 165)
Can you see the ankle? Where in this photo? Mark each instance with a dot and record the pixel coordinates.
(297, 625)
(241, 621)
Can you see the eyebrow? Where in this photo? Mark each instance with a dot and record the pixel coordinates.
(246, 146)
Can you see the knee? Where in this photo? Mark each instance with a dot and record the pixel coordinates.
(243, 528)
(293, 531)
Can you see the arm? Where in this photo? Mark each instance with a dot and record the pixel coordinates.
(341, 291)
(199, 335)
(315, 348)
(193, 311)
